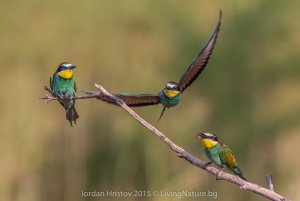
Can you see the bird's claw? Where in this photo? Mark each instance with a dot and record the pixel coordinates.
(71, 97)
(217, 175)
(207, 164)
(60, 96)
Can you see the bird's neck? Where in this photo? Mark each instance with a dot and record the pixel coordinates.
(66, 74)
(171, 93)
(208, 143)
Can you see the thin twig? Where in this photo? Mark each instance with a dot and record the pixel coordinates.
(47, 98)
(269, 181)
(221, 175)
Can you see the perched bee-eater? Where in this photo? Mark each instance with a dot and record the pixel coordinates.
(171, 94)
(63, 86)
(218, 153)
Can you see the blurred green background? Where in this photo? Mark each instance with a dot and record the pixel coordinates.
(248, 95)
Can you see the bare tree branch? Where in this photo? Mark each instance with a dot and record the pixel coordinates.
(180, 152)
(221, 175)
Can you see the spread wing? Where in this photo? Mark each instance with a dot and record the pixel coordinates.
(136, 100)
(132, 100)
(201, 60)
(227, 156)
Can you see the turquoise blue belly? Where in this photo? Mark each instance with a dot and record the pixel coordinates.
(169, 102)
(213, 155)
(64, 88)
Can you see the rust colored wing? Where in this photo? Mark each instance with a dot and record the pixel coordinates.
(201, 60)
(227, 156)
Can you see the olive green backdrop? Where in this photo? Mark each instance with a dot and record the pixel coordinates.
(248, 95)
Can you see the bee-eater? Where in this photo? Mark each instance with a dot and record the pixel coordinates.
(171, 94)
(63, 86)
(218, 153)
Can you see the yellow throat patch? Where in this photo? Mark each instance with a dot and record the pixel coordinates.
(208, 143)
(170, 93)
(66, 74)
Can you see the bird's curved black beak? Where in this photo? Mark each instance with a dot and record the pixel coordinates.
(200, 135)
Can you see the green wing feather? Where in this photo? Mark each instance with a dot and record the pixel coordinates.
(201, 60)
(132, 100)
(75, 86)
(227, 157)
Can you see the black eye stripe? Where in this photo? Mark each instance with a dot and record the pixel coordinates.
(212, 138)
(172, 85)
(172, 88)
(64, 68)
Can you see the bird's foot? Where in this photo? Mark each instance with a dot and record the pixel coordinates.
(207, 164)
(62, 97)
(217, 175)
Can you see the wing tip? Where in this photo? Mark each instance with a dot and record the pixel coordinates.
(210, 46)
(220, 14)
(217, 29)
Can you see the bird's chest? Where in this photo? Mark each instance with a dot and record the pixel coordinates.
(213, 154)
(63, 87)
(169, 102)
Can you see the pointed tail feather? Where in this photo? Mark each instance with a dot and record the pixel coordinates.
(72, 115)
(239, 173)
(242, 177)
(161, 114)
